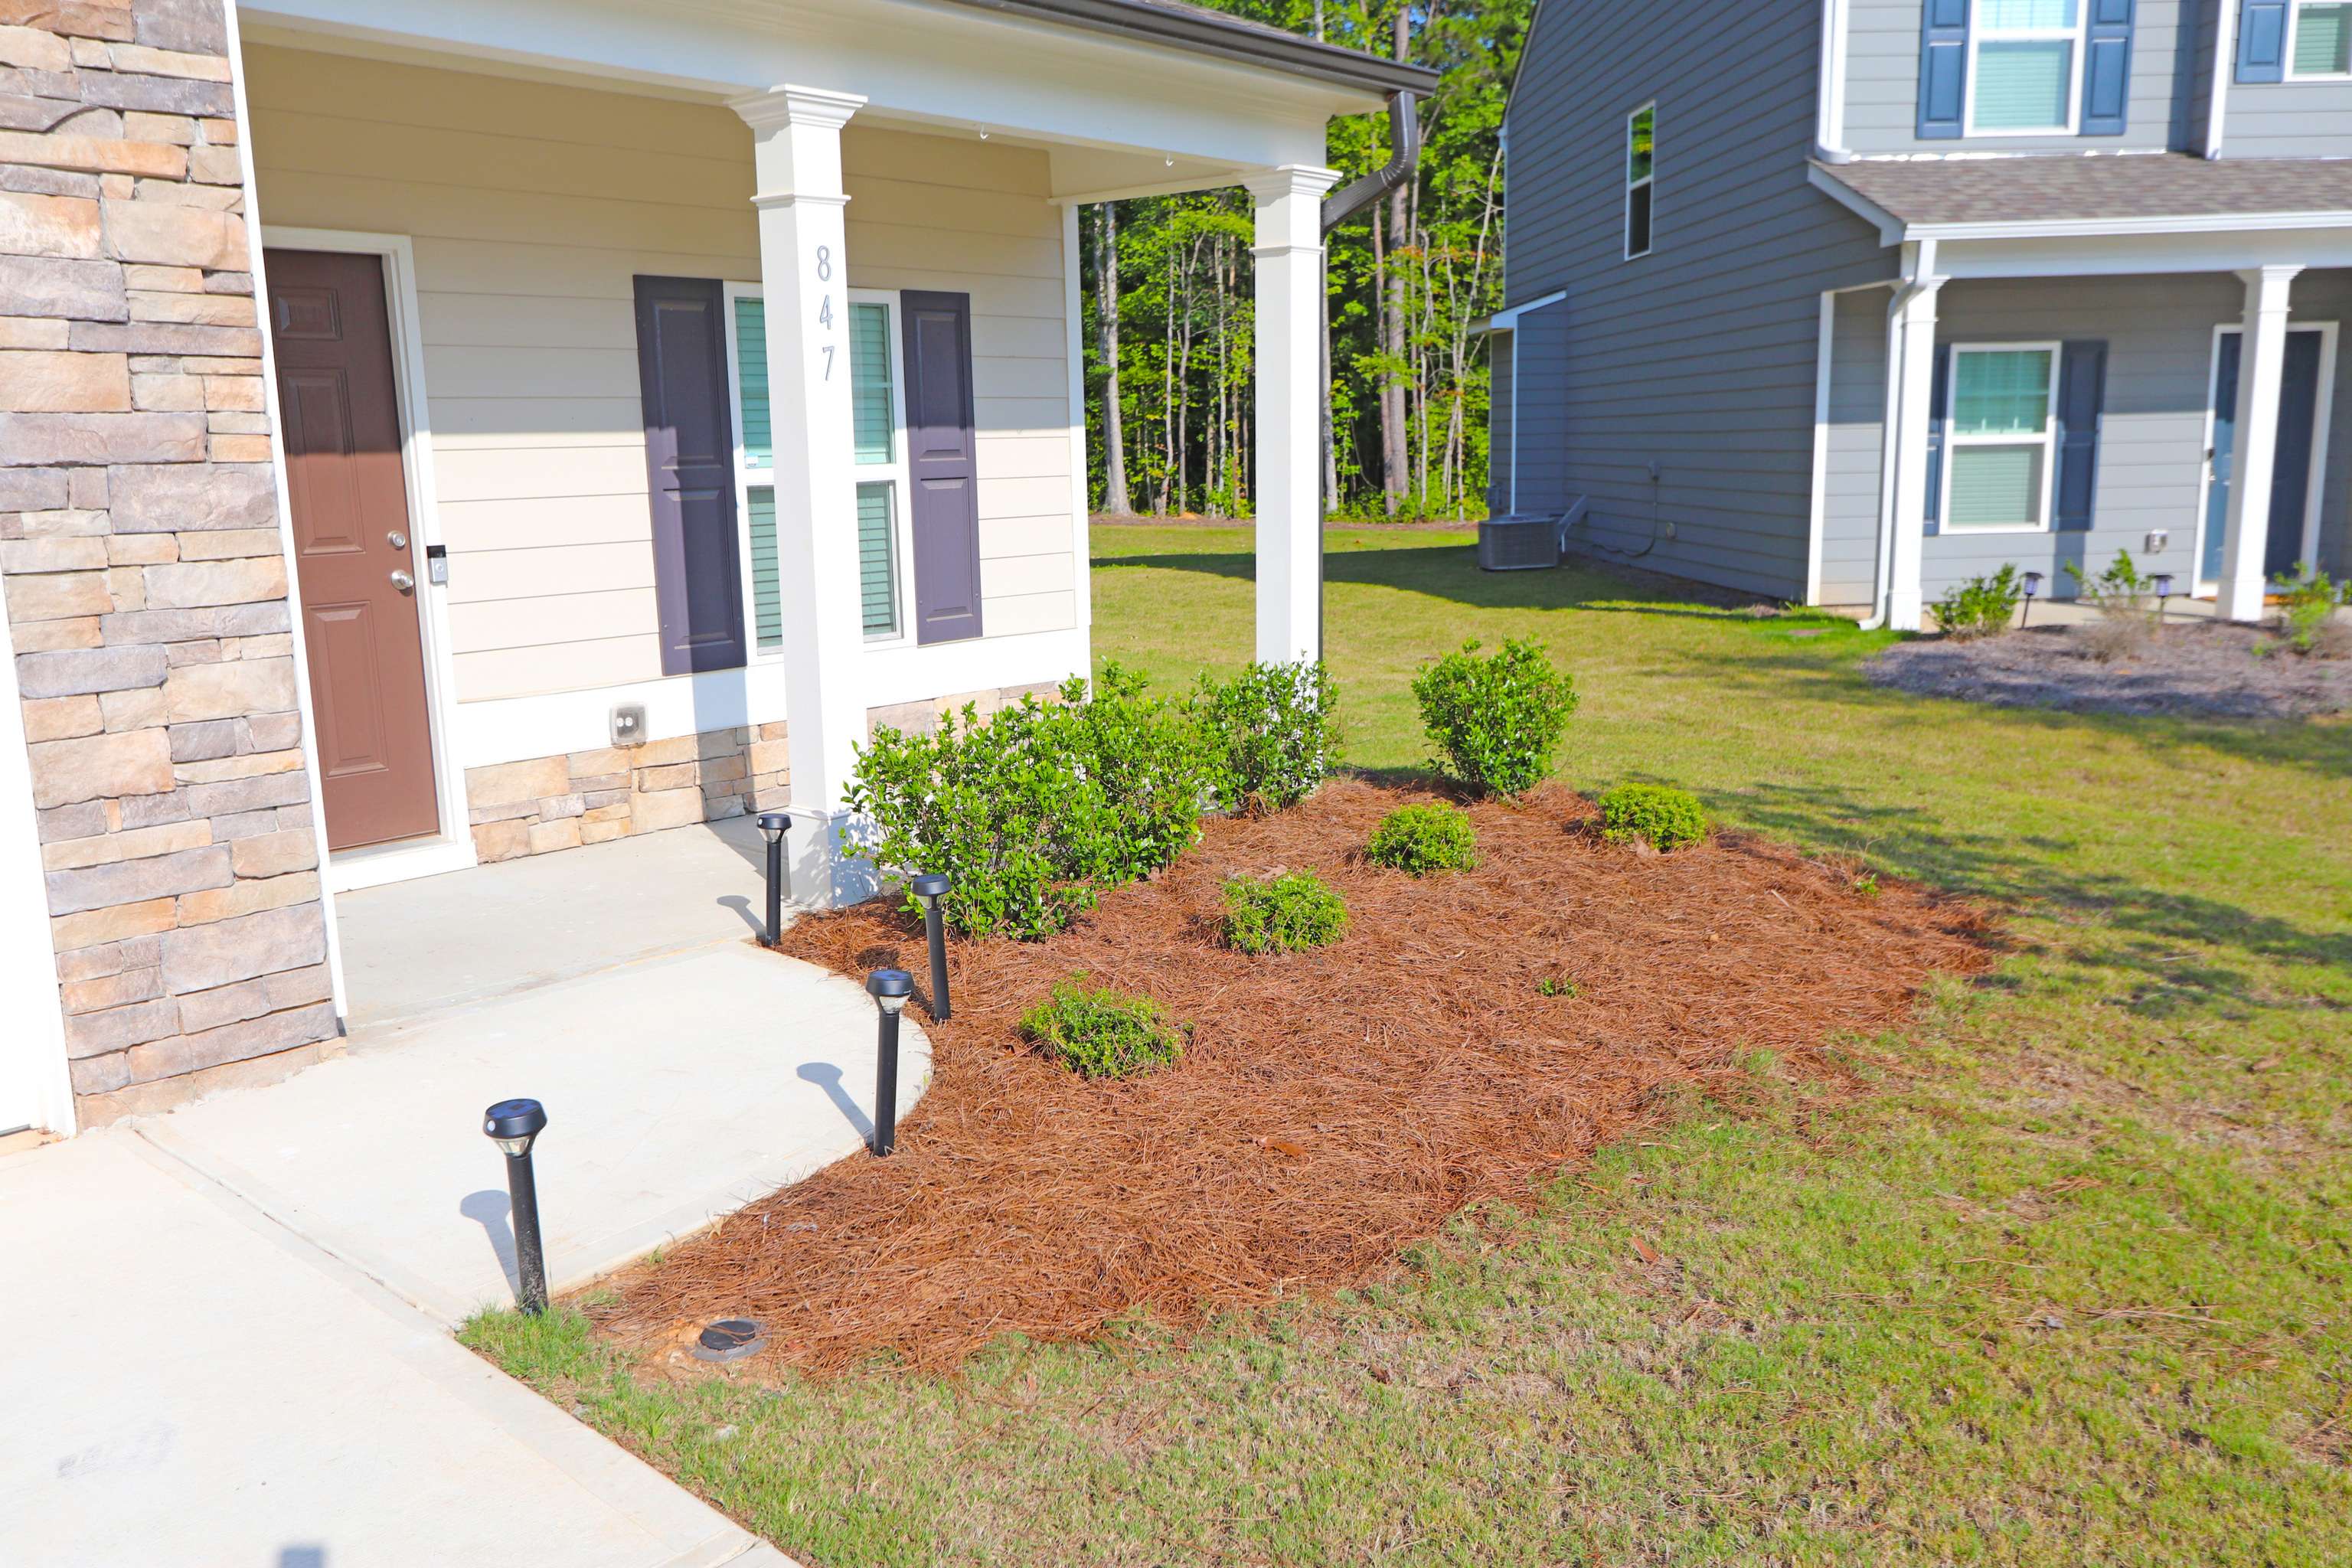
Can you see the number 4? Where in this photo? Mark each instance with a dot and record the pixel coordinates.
(825, 312)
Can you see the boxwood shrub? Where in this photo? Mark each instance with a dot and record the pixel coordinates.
(1425, 838)
(1102, 1033)
(1036, 810)
(1496, 720)
(1270, 733)
(1284, 914)
(1666, 817)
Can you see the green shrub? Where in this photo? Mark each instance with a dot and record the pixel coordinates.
(1103, 1034)
(1035, 811)
(1269, 733)
(1495, 721)
(1286, 914)
(2309, 603)
(1423, 838)
(1979, 607)
(1666, 817)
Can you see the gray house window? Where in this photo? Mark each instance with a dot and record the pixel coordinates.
(2028, 57)
(2321, 44)
(1640, 147)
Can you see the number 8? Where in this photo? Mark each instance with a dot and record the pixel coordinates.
(824, 264)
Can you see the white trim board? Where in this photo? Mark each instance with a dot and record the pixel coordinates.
(452, 847)
(35, 1086)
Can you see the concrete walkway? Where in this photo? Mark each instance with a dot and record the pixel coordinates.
(235, 1346)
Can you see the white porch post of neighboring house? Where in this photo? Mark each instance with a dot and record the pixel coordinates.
(2262, 360)
(1914, 340)
(1290, 253)
(804, 278)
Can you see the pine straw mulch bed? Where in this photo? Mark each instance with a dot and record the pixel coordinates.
(1331, 1108)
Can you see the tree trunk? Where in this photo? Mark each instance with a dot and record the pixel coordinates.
(1116, 500)
(1168, 401)
(1185, 387)
(1395, 471)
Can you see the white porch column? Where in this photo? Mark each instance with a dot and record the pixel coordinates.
(1290, 253)
(2262, 359)
(804, 276)
(1913, 335)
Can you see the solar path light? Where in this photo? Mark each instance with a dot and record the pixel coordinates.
(2162, 583)
(772, 824)
(514, 1125)
(931, 888)
(890, 988)
(2033, 585)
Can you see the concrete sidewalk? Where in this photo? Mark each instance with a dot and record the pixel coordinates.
(228, 1327)
(190, 1383)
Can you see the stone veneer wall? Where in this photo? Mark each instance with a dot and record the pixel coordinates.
(144, 575)
(588, 798)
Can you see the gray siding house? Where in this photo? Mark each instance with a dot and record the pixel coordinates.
(1848, 300)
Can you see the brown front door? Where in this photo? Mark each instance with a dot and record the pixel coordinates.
(353, 549)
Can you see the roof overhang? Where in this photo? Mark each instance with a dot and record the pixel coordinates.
(1203, 32)
(1509, 319)
(1894, 229)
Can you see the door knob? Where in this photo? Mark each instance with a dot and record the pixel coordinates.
(402, 580)
(396, 539)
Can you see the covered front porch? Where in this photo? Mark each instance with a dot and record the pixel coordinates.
(733, 368)
(2153, 374)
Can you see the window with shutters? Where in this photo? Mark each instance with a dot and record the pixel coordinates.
(1999, 437)
(2319, 40)
(2025, 68)
(879, 451)
(1641, 181)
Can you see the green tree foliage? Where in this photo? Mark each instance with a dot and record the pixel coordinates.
(1407, 276)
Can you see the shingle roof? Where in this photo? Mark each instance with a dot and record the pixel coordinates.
(2062, 188)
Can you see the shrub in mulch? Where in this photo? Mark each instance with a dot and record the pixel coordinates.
(1100, 1033)
(1660, 815)
(1426, 837)
(1289, 914)
(1329, 1110)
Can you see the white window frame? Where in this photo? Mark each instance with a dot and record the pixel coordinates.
(1954, 440)
(1648, 181)
(2077, 34)
(2294, 29)
(749, 476)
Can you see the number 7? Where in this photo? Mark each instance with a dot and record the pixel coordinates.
(828, 362)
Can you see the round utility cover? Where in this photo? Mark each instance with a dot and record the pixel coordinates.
(729, 1339)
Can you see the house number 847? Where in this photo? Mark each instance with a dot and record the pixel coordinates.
(825, 303)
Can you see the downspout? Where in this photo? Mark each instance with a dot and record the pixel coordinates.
(1404, 152)
(1906, 289)
(2225, 66)
(1829, 120)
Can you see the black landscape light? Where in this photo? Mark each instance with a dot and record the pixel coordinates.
(2033, 586)
(772, 824)
(514, 1125)
(931, 888)
(2163, 585)
(890, 989)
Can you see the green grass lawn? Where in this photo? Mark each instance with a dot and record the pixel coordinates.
(2070, 1286)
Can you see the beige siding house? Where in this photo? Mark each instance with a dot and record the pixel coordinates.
(445, 435)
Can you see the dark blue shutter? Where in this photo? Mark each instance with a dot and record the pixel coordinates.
(2106, 69)
(1943, 68)
(2261, 40)
(691, 473)
(942, 465)
(1938, 411)
(2082, 390)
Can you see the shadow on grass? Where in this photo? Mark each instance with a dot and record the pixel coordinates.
(2026, 870)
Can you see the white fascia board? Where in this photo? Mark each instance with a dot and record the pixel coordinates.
(2129, 227)
(1508, 320)
(2098, 255)
(1890, 228)
(948, 67)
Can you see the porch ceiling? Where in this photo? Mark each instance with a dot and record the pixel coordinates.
(1128, 95)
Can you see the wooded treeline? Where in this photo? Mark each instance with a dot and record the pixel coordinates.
(1170, 372)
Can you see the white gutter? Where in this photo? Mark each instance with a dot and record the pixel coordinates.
(1829, 117)
(2225, 66)
(1507, 321)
